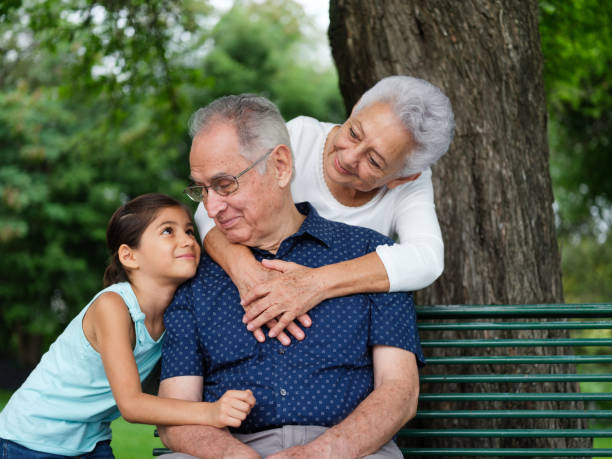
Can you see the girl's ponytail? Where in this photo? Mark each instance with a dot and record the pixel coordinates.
(114, 272)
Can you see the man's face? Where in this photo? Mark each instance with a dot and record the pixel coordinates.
(242, 215)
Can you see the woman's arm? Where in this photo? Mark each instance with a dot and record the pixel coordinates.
(417, 260)
(413, 263)
(300, 288)
(112, 331)
(246, 272)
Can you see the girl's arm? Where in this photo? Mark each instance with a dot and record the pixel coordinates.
(112, 336)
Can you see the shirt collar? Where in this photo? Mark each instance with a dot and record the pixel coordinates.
(313, 226)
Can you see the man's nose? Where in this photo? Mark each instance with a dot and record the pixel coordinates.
(214, 203)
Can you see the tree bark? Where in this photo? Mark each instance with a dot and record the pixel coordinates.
(493, 189)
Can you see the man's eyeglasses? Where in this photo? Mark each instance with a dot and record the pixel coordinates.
(223, 185)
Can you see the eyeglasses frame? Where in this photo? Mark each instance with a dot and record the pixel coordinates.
(234, 177)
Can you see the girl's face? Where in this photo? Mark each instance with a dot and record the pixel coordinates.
(368, 150)
(168, 249)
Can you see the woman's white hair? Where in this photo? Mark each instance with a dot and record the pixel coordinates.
(258, 123)
(423, 110)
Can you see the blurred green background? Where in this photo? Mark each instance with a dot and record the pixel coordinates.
(94, 101)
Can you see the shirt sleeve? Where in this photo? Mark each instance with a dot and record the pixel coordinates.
(203, 221)
(393, 323)
(181, 352)
(418, 258)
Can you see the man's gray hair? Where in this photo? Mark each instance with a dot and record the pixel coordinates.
(258, 123)
(423, 109)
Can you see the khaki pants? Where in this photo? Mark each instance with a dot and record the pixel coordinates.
(268, 442)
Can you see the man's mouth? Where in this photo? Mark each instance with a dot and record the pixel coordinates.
(227, 223)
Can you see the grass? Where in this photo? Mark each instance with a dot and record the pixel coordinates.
(130, 441)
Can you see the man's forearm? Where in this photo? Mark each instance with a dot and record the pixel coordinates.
(374, 422)
(204, 442)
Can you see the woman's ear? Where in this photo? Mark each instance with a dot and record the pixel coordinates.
(283, 165)
(401, 180)
(127, 257)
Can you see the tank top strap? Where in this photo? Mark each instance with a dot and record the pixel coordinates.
(124, 290)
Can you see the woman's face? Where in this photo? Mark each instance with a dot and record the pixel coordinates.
(368, 150)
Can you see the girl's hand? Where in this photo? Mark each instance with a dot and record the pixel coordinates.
(232, 408)
(284, 298)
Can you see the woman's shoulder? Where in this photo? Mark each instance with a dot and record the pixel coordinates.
(301, 121)
(307, 126)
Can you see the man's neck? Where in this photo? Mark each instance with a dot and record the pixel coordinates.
(289, 220)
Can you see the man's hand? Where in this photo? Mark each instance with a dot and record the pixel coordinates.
(240, 452)
(285, 298)
(324, 447)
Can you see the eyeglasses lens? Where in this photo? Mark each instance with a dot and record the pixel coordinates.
(224, 185)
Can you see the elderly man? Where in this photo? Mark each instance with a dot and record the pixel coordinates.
(344, 390)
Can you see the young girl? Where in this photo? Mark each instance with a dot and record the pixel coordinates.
(92, 373)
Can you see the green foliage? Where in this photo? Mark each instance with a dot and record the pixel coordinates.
(587, 270)
(94, 102)
(577, 47)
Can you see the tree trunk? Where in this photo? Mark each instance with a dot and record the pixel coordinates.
(493, 189)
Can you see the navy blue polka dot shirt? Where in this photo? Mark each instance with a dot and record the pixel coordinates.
(317, 381)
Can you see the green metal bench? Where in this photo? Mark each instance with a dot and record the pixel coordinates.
(459, 345)
(463, 357)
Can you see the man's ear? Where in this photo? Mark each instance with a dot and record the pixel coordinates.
(282, 162)
(401, 180)
(127, 257)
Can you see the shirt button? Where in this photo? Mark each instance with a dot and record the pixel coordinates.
(281, 351)
(283, 392)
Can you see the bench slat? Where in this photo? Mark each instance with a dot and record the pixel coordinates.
(565, 342)
(512, 396)
(514, 311)
(520, 452)
(571, 325)
(533, 414)
(516, 359)
(506, 433)
(516, 378)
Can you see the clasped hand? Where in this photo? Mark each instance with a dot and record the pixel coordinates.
(279, 301)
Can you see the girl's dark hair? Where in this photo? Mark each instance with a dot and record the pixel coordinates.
(127, 225)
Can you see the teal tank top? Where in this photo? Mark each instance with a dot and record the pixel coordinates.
(66, 406)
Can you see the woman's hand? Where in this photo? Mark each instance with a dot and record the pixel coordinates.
(248, 279)
(232, 408)
(285, 298)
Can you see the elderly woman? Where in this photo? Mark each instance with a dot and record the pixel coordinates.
(372, 171)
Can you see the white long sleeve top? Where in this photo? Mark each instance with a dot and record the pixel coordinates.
(405, 213)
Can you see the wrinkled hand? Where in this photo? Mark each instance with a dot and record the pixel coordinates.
(232, 408)
(240, 451)
(285, 298)
(314, 450)
(250, 279)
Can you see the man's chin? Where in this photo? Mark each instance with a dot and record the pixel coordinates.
(235, 237)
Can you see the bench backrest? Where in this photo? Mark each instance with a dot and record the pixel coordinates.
(492, 368)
